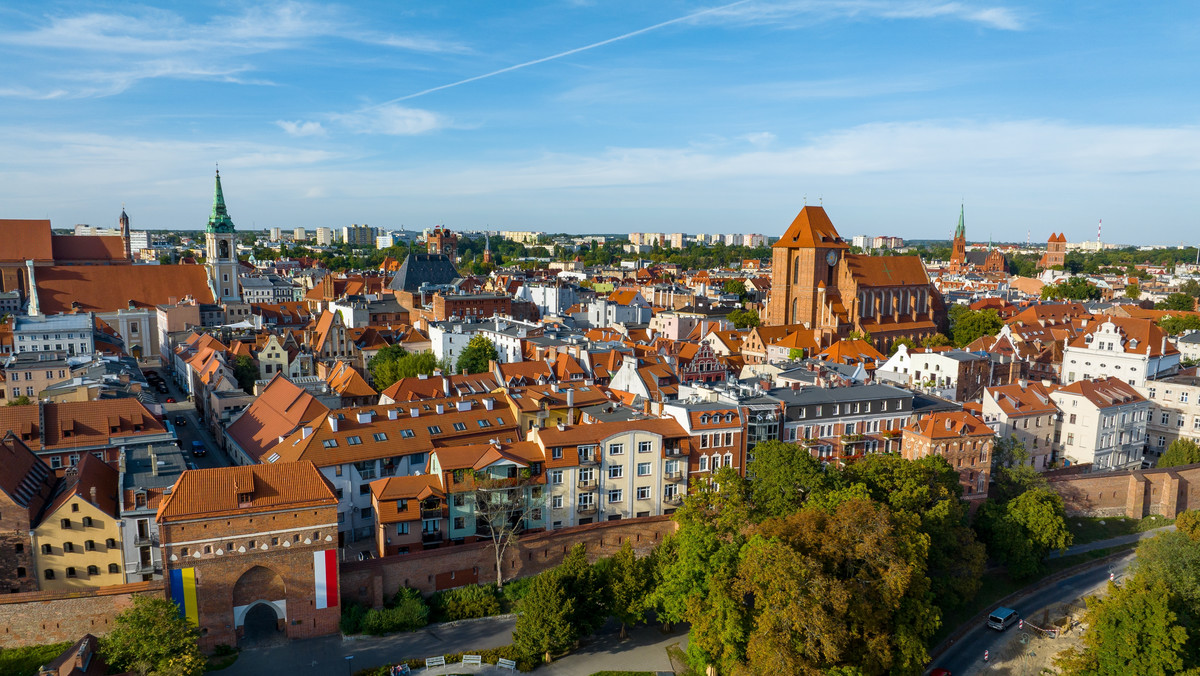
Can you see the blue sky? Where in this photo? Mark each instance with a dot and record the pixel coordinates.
(614, 116)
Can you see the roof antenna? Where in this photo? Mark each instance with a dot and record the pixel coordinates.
(805, 199)
(821, 201)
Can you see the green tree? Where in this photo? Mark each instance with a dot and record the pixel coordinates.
(863, 335)
(151, 639)
(1021, 532)
(734, 286)
(1073, 288)
(475, 357)
(19, 401)
(631, 581)
(586, 586)
(1177, 302)
(1180, 452)
(246, 372)
(1188, 523)
(795, 353)
(973, 324)
(743, 319)
(1177, 324)
(937, 340)
(1191, 287)
(782, 476)
(1133, 291)
(1131, 630)
(545, 625)
(1012, 474)
(394, 362)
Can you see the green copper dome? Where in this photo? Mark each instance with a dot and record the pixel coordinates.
(219, 221)
(960, 231)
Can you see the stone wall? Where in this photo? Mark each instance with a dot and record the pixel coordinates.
(33, 618)
(1134, 494)
(370, 582)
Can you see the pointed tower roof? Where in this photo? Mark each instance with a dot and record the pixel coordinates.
(961, 230)
(812, 228)
(219, 221)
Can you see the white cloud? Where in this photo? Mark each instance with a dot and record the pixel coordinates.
(301, 128)
(391, 119)
(759, 139)
(798, 13)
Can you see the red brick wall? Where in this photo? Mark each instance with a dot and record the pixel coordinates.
(16, 550)
(370, 582)
(1134, 494)
(34, 618)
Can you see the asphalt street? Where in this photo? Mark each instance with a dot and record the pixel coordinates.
(191, 430)
(968, 651)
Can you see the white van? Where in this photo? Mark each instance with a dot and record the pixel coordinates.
(1002, 618)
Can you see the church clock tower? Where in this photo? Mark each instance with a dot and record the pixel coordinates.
(221, 250)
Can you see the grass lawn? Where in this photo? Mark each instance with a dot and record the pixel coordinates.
(996, 585)
(25, 661)
(1090, 529)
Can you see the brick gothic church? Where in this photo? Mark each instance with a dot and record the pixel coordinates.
(962, 260)
(817, 284)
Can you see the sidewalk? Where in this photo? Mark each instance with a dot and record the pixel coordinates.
(1111, 542)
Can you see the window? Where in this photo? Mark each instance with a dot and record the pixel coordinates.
(615, 496)
(407, 434)
(729, 438)
(71, 571)
(329, 443)
(1166, 418)
(1070, 438)
(353, 441)
(556, 453)
(93, 570)
(110, 543)
(460, 427)
(556, 477)
(402, 528)
(729, 460)
(716, 462)
(365, 512)
(434, 429)
(643, 469)
(113, 569)
(90, 545)
(645, 446)
(704, 463)
(49, 574)
(643, 493)
(1162, 441)
(68, 546)
(556, 502)
(380, 436)
(616, 471)
(616, 449)
(47, 549)
(1072, 419)
(484, 422)
(460, 523)
(364, 489)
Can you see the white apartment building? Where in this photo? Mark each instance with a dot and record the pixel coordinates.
(1175, 413)
(72, 334)
(1024, 410)
(299, 234)
(1134, 350)
(1103, 422)
(324, 236)
(1189, 346)
(613, 470)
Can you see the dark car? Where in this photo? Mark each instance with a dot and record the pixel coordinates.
(162, 389)
(180, 421)
(198, 449)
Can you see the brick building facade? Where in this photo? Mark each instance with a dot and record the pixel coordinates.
(249, 545)
(962, 439)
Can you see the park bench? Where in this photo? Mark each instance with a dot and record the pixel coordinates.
(506, 664)
(475, 660)
(439, 661)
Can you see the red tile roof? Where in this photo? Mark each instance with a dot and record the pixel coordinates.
(25, 240)
(26, 480)
(278, 411)
(68, 248)
(948, 424)
(79, 423)
(201, 493)
(887, 270)
(414, 389)
(1103, 393)
(90, 475)
(811, 228)
(106, 288)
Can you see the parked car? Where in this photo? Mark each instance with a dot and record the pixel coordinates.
(180, 421)
(1002, 618)
(198, 449)
(170, 400)
(365, 555)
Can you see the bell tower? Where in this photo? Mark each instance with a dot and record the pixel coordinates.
(804, 269)
(221, 250)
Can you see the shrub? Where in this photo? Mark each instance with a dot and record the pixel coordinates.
(352, 618)
(25, 661)
(406, 612)
(477, 600)
(516, 590)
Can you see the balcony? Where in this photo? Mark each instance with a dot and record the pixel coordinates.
(145, 540)
(677, 475)
(431, 537)
(589, 508)
(431, 512)
(676, 499)
(674, 451)
(587, 484)
(588, 460)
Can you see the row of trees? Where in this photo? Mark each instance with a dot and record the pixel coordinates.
(394, 362)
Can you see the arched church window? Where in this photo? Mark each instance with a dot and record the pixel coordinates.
(796, 271)
(223, 249)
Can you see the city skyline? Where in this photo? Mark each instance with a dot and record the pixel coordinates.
(573, 117)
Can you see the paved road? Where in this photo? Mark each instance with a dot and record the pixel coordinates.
(191, 430)
(1112, 542)
(968, 651)
(644, 650)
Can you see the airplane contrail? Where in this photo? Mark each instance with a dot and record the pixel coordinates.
(559, 55)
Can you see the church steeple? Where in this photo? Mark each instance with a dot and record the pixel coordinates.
(219, 221)
(961, 230)
(124, 221)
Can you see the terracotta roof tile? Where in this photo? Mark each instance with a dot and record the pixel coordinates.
(811, 228)
(278, 411)
(948, 424)
(79, 423)
(69, 248)
(215, 492)
(79, 481)
(25, 240)
(106, 288)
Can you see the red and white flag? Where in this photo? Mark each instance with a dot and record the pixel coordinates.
(325, 573)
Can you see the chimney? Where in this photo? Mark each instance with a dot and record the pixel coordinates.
(392, 414)
(333, 422)
(445, 386)
(441, 408)
(571, 398)
(365, 417)
(464, 405)
(305, 431)
(488, 403)
(34, 306)
(92, 492)
(414, 412)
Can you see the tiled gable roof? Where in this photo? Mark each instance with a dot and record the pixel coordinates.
(811, 228)
(68, 248)
(25, 240)
(887, 270)
(90, 475)
(214, 492)
(948, 424)
(26, 480)
(1103, 393)
(278, 411)
(414, 389)
(78, 423)
(107, 288)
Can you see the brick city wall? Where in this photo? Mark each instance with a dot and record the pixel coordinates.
(370, 582)
(34, 618)
(1134, 494)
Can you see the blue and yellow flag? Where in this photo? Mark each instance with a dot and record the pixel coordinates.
(183, 593)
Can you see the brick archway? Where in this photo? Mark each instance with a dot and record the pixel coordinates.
(259, 585)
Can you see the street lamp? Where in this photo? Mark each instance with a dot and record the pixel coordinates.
(349, 671)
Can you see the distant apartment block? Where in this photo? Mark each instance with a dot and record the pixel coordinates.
(358, 235)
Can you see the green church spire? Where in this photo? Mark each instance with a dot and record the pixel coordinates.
(219, 221)
(960, 231)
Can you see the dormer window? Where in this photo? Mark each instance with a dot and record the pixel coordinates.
(244, 499)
